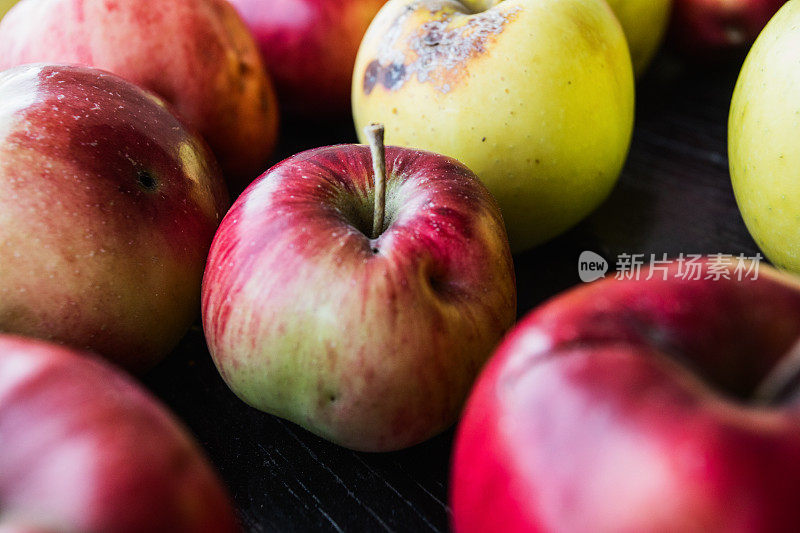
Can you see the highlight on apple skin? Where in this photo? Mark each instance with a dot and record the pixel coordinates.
(534, 96)
(639, 406)
(370, 342)
(310, 48)
(85, 449)
(197, 55)
(108, 206)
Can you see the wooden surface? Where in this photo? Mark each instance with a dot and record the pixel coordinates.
(674, 196)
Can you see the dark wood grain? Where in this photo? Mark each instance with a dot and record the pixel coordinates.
(674, 196)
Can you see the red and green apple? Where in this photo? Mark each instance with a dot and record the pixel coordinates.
(108, 205)
(366, 329)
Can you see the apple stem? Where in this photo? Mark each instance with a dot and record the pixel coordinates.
(777, 384)
(374, 133)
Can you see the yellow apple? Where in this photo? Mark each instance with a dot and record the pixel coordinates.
(5, 5)
(764, 139)
(644, 23)
(535, 96)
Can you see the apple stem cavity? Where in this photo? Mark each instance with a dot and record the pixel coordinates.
(374, 133)
(781, 383)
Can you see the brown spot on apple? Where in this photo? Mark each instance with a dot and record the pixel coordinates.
(245, 69)
(146, 180)
(438, 51)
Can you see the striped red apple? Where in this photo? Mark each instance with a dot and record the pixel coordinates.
(366, 329)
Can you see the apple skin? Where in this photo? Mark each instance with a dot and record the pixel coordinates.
(370, 343)
(196, 54)
(310, 49)
(585, 419)
(108, 206)
(5, 5)
(712, 28)
(645, 23)
(763, 141)
(534, 96)
(86, 449)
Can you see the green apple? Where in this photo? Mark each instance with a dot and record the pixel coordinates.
(644, 23)
(535, 96)
(5, 5)
(764, 139)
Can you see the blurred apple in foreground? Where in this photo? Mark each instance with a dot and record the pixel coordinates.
(196, 54)
(107, 210)
(709, 28)
(644, 23)
(366, 330)
(640, 406)
(310, 48)
(534, 96)
(764, 139)
(85, 449)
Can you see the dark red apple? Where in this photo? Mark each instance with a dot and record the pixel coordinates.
(708, 28)
(83, 448)
(108, 205)
(367, 330)
(196, 54)
(310, 48)
(628, 406)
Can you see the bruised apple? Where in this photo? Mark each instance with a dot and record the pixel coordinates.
(534, 96)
